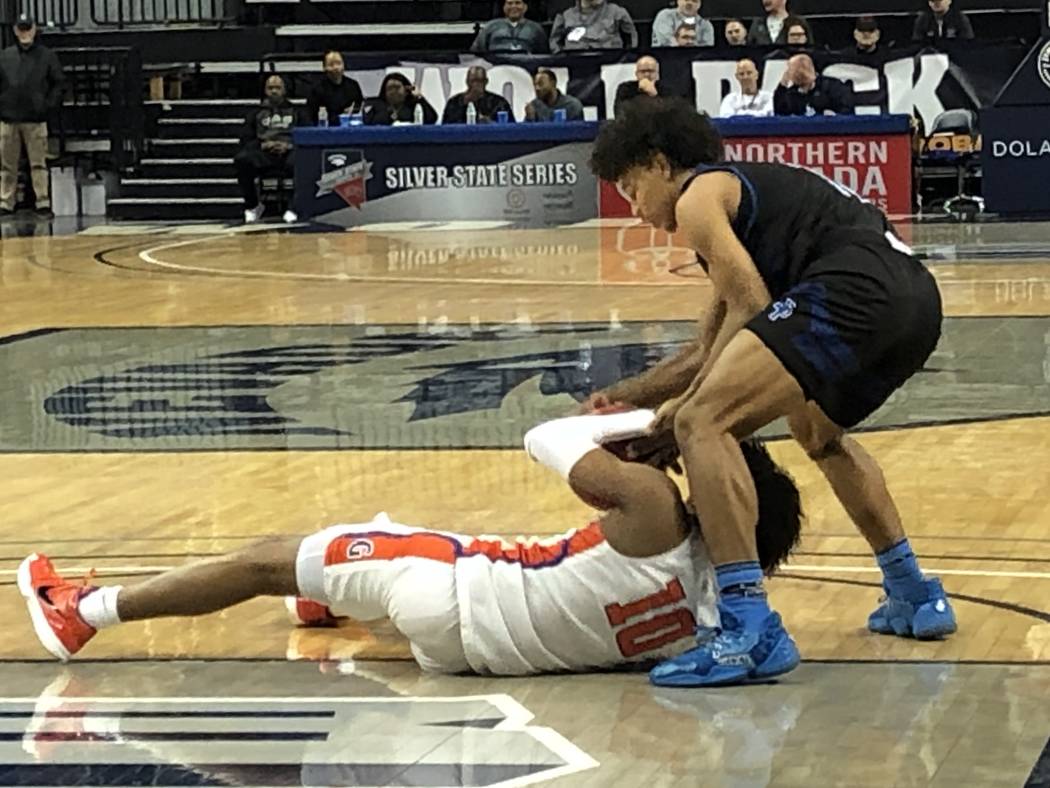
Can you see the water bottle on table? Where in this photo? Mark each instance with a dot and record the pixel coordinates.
(417, 114)
(322, 116)
(472, 114)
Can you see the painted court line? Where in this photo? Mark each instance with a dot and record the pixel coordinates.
(149, 256)
(146, 570)
(959, 572)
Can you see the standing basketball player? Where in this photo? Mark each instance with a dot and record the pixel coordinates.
(631, 587)
(820, 312)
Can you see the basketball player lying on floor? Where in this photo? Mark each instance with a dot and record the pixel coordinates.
(628, 588)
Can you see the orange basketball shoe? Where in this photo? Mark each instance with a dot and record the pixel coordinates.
(307, 613)
(53, 604)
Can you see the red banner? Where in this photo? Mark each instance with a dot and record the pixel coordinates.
(878, 168)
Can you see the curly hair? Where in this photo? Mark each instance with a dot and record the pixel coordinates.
(779, 508)
(670, 126)
(780, 516)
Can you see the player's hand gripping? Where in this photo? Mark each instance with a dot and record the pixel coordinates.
(600, 403)
(665, 416)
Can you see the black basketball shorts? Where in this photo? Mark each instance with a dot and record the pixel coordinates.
(861, 321)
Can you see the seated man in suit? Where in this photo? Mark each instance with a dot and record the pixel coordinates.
(804, 92)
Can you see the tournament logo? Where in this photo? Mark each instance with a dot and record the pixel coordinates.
(516, 199)
(360, 548)
(1042, 64)
(345, 172)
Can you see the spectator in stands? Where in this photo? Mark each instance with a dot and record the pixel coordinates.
(749, 100)
(397, 102)
(770, 29)
(799, 33)
(686, 12)
(266, 147)
(803, 92)
(939, 21)
(31, 85)
(646, 83)
(593, 24)
(736, 33)
(549, 99)
(685, 36)
(867, 34)
(512, 33)
(336, 92)
(486, 104)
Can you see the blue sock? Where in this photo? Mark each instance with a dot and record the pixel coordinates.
(900, 568)
(742, 594)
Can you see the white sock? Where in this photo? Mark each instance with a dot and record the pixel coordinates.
(561, 443)
(99, 608)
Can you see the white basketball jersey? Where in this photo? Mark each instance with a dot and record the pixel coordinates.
(574, 603)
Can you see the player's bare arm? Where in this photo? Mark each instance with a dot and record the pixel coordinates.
(644, 512)
(705, 215)
(672, 376)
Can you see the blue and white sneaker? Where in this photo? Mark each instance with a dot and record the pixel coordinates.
(730, 655)
(926, 620)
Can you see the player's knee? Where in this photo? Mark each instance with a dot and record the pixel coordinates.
(693, 423)
(820, 447)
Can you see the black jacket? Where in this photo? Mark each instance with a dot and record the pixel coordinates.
(379, 113)
(954, 25)
(487, 106)
(827, 94)
(335, 98)
(758, 34)
(629, 90)
(268, 122)
(31, 83)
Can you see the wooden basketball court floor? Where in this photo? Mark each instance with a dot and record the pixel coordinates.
(173, 392)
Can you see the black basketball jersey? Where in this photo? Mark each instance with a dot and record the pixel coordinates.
(790, 217)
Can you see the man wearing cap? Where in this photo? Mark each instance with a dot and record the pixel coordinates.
(866, 33)
(31, 85)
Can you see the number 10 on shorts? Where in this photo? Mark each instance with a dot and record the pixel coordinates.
(652, 633)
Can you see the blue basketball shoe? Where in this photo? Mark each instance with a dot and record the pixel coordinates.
(730, 655)
(931, 618)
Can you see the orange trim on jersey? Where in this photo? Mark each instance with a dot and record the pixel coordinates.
(384, 546)
(379, 546)
(538, 554)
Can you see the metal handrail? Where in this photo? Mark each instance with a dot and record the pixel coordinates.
(137, 13)
(103, 99)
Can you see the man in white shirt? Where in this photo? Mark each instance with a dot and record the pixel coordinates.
(749, 100)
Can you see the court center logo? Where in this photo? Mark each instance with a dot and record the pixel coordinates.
(281, 741)
(345, 172)
(1042, 64)
(325, 387)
